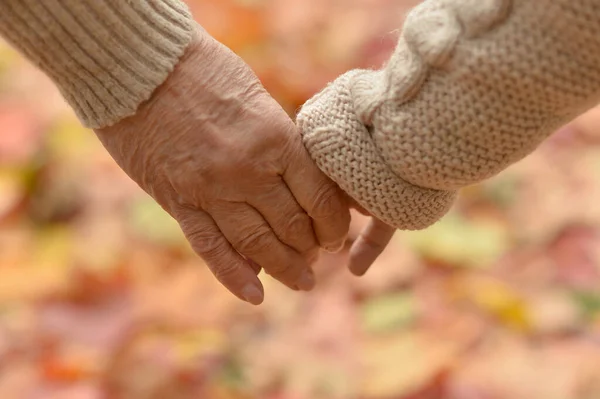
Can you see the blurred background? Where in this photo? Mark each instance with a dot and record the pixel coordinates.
(100, 296)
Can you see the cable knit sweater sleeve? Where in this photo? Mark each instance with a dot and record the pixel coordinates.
(105, 56)
(473, 86)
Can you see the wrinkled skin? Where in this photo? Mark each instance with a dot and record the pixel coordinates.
(222, 157)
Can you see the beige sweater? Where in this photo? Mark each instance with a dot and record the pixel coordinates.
(105, 56)
(473, 86)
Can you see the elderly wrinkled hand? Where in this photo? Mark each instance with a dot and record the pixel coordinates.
(222, 157)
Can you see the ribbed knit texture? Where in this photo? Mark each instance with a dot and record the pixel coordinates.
(473, 86)
(106, 56)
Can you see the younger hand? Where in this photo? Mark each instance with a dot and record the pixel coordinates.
(371, 242)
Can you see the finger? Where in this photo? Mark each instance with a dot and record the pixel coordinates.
(251, 236)
(255, 266)
(233, 271)
(355, 205)
(369, 245)
(287, 219)
(320, 197)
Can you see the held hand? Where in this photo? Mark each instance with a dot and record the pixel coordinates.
(371, 242)
(222, 157)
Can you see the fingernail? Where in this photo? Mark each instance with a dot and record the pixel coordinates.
(252, 294)
(334, 248)
(306, 282)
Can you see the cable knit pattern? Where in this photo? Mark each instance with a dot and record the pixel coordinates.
(106, 56)
(472, 86)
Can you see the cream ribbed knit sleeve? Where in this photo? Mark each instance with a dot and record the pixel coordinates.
(106, 56)
(473, 86)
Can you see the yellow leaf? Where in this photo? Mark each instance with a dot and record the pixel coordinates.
(497, 299)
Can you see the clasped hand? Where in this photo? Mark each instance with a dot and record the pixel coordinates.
(224, 159)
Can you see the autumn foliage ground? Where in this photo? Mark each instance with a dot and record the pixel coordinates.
(100, 297)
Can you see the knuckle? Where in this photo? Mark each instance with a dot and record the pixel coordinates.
(293, 147)
(225, 271)
(292, 151)
(256, 240)
(327, 202)
(204, 238)
(298, 228)
(206, 242)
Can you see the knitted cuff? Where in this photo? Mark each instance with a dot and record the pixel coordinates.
(472, 87)
(105, 56)
(342, 147)
(351, 128)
